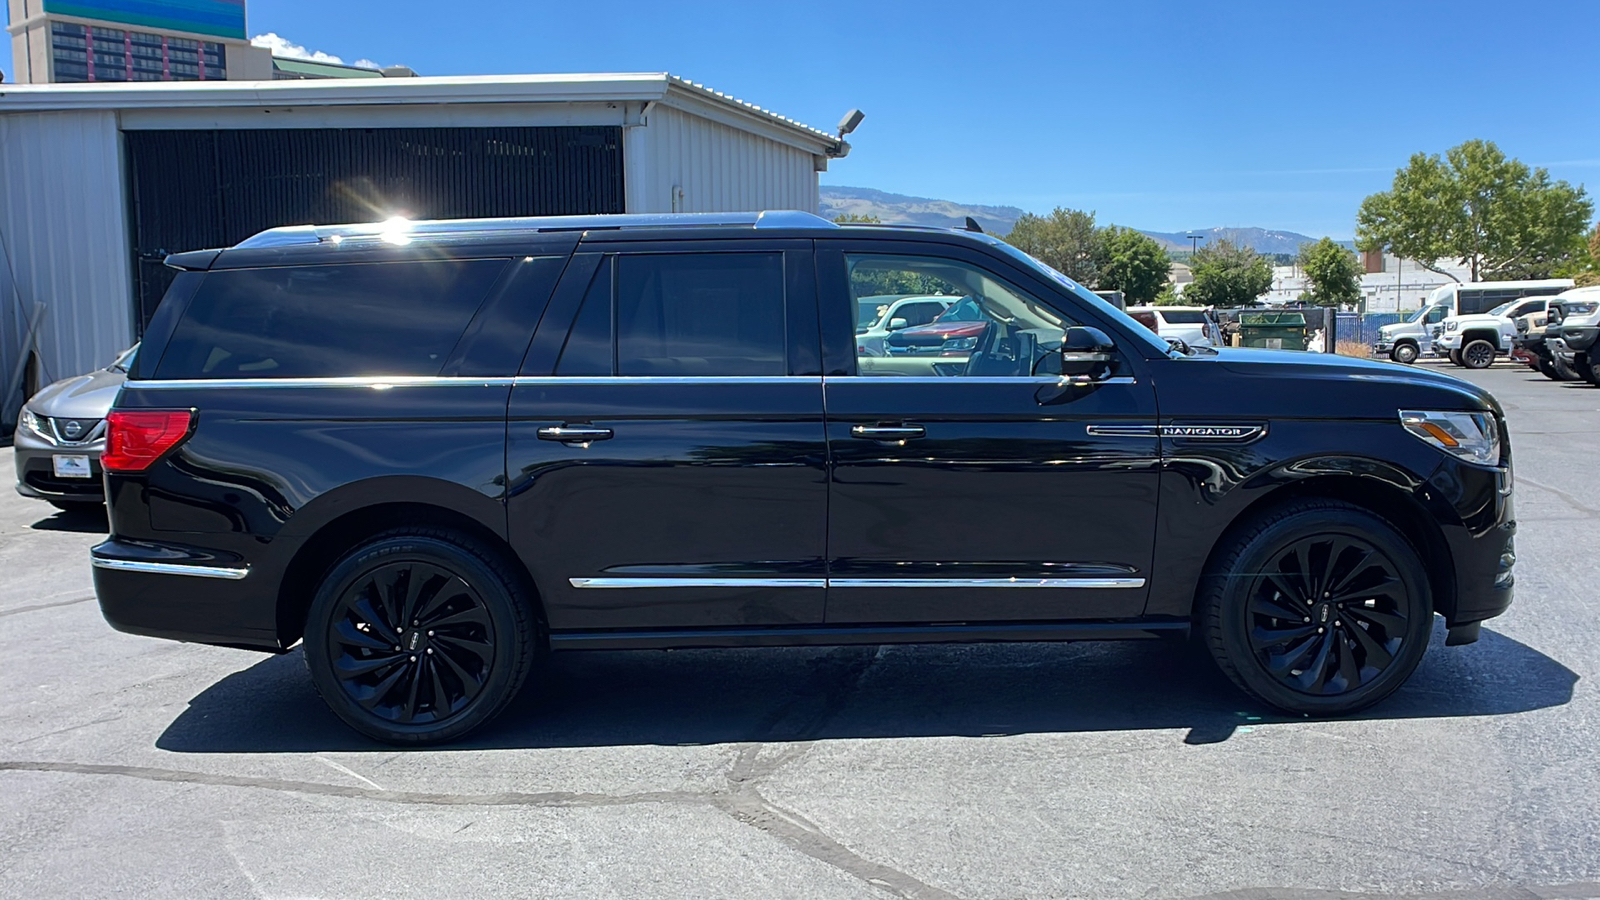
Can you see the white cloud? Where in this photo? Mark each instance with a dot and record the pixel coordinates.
(282, 46)
(365, 63)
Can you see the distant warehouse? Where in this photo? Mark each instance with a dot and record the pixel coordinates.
(98, 183)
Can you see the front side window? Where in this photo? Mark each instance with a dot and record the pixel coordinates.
(689, 314)
(992, 328)
(399, 318)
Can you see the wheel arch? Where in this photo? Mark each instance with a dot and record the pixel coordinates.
(1380, 497)
(1484, 334)
(338, 535)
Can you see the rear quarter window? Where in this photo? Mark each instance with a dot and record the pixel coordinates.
(399, 318)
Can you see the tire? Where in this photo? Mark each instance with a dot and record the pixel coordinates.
(1478, 354)
(1455, 357)
(1404, 353)
(486, 636)
(1583, 370)
(1548, 370)
(1307, 672)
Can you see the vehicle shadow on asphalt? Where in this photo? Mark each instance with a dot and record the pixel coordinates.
(89, 520)
(593, 699)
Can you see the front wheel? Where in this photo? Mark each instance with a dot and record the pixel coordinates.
(1585, 370)
(419, 636)
(1478, 355)
(1317, 608)
(1455, 357)
(1404, 353)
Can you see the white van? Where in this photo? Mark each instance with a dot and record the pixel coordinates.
(1404, 341)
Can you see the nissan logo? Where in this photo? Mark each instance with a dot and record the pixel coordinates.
(72, 429)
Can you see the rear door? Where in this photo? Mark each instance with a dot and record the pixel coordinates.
(666, 455)
(968, 483)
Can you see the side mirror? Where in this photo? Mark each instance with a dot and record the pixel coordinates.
(897, 323)
(1087, 354)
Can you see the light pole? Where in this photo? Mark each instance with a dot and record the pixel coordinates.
(1194, 242)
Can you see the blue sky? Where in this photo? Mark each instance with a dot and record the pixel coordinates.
(1163, 116)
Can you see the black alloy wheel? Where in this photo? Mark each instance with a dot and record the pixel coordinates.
(418, 637)
(1317, 608)
(1404, 353)
(1327, 615)
(1478, 355)
(1584, 370)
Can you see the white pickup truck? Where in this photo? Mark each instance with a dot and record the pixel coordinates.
(1474, 341)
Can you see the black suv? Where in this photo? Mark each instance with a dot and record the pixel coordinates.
(433, 451)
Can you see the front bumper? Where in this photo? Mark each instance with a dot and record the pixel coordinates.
(1580, 337)
(36, 473)
(1482, 546)
(1447, 341)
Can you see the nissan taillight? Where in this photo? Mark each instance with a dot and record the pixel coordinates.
(136, 438)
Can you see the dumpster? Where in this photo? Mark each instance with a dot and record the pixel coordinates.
(1275, 330)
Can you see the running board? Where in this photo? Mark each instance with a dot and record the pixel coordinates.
(834, 635)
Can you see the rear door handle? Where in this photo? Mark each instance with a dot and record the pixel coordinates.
(575, 434)
(887, 432)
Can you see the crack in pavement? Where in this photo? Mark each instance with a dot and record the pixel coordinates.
(36, 607)
(1571, 501)
(553, 799)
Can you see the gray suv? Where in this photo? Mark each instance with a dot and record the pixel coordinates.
(61, 435)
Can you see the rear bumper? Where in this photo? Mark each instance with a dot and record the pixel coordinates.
(182, 593)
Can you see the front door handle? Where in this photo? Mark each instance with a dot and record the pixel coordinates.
(887, 432)
(575, 434)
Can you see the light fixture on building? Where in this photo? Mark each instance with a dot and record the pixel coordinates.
(851, 121)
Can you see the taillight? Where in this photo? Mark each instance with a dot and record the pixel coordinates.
(136, 438)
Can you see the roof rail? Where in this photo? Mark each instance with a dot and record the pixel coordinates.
(403, 231)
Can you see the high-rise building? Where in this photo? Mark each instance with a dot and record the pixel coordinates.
(133, 40)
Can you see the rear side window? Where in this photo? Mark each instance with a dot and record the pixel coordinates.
(681, 315)
(326, 321)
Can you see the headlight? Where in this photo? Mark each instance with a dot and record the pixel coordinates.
(1474, 437)
(966, 343)
(34, 424)
(1580, 309)
(1451, 326)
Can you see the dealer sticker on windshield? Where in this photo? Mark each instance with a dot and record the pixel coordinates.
(71, 466)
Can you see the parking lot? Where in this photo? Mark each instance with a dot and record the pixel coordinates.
(139, 767)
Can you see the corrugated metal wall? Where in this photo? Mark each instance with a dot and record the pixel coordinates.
(680, 162)
(65, 231)
(199, 189)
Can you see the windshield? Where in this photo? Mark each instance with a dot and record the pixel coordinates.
(1089, 298)
(1499, 310)
(1421, 314)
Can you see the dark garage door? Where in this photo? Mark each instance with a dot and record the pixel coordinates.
(194, 190)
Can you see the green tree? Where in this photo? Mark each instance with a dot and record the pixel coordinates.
(1168, 296)
(1226, 274)
(1500, 218)
(1586, 269)
(1133, 263)
(1065, 240)
(857, 218)
(1333, 271)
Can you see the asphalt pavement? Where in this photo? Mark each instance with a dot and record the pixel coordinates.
(134, 767)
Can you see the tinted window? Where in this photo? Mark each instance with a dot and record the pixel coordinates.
(322, 321)
(588, 348)
(1184, 316)
(700, 314)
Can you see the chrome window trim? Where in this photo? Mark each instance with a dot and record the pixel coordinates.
(228, 573)
(385, 382)
(976, 379)
(647, 582)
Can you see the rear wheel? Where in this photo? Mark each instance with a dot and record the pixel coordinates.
(419, 636)
(1478, 354)
(1404, 353)
(1317, 608)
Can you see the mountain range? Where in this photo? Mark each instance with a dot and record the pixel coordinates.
(901, 208)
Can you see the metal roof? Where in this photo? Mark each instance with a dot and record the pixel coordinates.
(644, 87)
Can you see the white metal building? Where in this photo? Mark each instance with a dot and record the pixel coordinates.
(98, 181)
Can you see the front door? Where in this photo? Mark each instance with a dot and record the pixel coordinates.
(968, 483)
(665, 451)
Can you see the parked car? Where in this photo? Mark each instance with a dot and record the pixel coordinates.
(1529, 345)
(877, 316)
(61, 434)
(1571, 326)
(431, 460)
(1404, 341)
(1473, 341)
(1196, 326)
